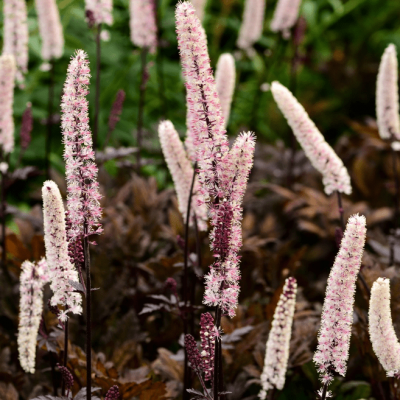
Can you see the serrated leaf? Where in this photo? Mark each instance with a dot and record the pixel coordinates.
(148, 308)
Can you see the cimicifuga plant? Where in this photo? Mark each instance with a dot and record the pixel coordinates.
(225, 77)
(383, 337)
(7, 77)
(387, 98)
(181, 170)
(32, 279)
(100, 11)
(15, 36)
(337, 313)
(50, 28)
(199, 6)
(277, 351)
(285, 16)
(321, 155)
(61, 271)
(252, 24)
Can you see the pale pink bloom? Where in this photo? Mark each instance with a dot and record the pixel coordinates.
(337, 313)
(143, 23)
(277, 351)
(15, 37)
(181, 170)
(32, 279)
(7, 78)
(80, 169)
(225, 76)
(50, 29)
(101, 9)
(387, 97)
(318, 151)
(55, 238)
(252, 23)
(199, 6)
(383, 337)
(285, 15)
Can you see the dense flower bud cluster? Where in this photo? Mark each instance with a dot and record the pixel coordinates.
(207, 344)
(194, 357)
(100, 11)
(143, 23)
(66, 376)
(113, 393)
(116, 110)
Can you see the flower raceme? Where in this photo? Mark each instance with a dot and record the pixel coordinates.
(318, 151)
(7, 77)
(101, 11)
(252, 24)
(207, 344)
(61, 270)
(387, 98)
(277, 352)
(285, 15)
(199, 6)
(33, 278)
(337, 314)
(381, 331)
(83, 205)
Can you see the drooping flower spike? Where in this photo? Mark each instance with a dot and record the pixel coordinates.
(252, 24)
(318, 151)
(7, 77)
(277, 352)
(33, 278)
(225, 76)
(337, 313)
(285, 16)
(61, 270)
(143, 24)
(84, 211)
(100, 11)
(383, 337)
(387, 97)
(15, 37)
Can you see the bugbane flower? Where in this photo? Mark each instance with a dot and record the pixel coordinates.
(277, 352)
(60, 268)
(7, 76)
(195, 361)
(387, 97)
(383, 337)
(199, 6)
(207, 338)
(101, 11)
(143, 23)
(285, 15)
(50, 29)
(252, 24)
(15, 38)
(32, 279)
(84, 211)
(337, 313)
(182, 174)
(318, 151)
(225, 76)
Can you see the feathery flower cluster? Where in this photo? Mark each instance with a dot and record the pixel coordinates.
(207, 344)
(337, 313)
(7, 77)
(387, 97)
(285, 15)
(252, 24)
(33, 278)
(113, 393)
(60, 268)
(50, 29)
(225, 76)
(223, 174)
(199, 6)
(195, 360)
(182, 174)
(84, 209)
(381, 331)
(277, 352)
(16, 35)
(116, 110)
(318, 151)
(26, 127)
(100, 11)
(143, 23)
(66, 376)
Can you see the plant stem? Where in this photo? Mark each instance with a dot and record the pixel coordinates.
(3, 222)
(65, 352)
(88, 317)
(217, 356)
(142, 91)
(271, 394)
(396, 206)
(97, 94)
(49, 120)
(324, 391)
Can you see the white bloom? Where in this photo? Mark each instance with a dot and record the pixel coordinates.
(252, 24)
(285, 15)
(101, 9)
(199, 5)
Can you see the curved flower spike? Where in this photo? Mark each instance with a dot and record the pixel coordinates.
(252, 24)
(143, 23)
(285, 15)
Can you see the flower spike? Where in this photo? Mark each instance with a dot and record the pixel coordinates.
(143, 23)
(285, 15)
(252, 24)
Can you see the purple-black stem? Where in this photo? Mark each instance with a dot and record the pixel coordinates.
(88, 317)
(97, 94)
(3, 220)
(65, 352)
(324, 391)
(49, 120)
(396, 206)
(142, 92)
(218, 382)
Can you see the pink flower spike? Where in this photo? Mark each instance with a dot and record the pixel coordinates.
(143, 23)
(321, 155)
(100, 11)
(285, 16)
(7, 77)
(337, 313)
(252, 24)
(199, 6)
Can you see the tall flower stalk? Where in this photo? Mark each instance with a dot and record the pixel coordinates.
(285, 16)
(84, 211)
(337, 313)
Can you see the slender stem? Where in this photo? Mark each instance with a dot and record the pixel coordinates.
(396, 206)
(97, 94)
(142, 92)
(271, 394)
(52, 356)
(3, 223)
(341, 211)
(88, 318)
(65, 352)
(217, 356)
(324, 391)
(49, 120)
